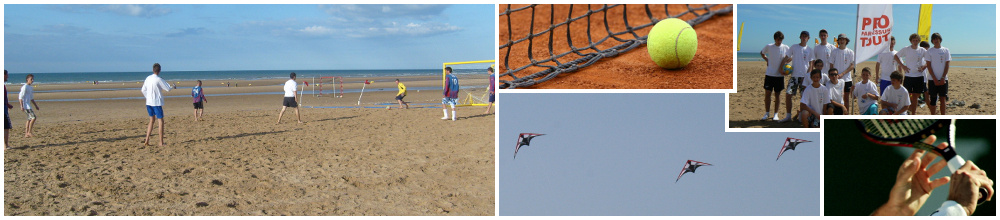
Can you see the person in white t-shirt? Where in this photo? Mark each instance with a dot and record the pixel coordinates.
(938, 63)
(27, 100)
(818, 64)
(154, 101)
(822, 52)
(836, 87)
(913, 66)
(291, 99)
(776, 56)
(843, 59)
(867, 93)
(895, 100)
(801, 56)
(813, 99)
(886, 64)
(927, 76)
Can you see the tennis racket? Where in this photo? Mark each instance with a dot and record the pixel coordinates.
(911, 133)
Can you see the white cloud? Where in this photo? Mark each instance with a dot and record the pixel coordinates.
(144, 11)
(63, 29)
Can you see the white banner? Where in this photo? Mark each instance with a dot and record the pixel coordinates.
(873, 31)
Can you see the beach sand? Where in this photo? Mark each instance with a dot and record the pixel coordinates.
(88, 158)
(971, 85)
(711, 68)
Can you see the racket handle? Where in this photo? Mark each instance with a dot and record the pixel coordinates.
(957, 162)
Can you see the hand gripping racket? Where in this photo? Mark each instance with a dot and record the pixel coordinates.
(911, 133)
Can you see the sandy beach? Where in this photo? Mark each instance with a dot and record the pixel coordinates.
(88, 158)
(971, 85)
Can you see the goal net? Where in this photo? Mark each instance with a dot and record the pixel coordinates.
(473, 80)
(329, 86)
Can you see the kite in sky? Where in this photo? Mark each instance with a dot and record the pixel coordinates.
(523, 140)
(689, 167)
(790, 144)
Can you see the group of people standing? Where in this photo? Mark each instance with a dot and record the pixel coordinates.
(823, 75)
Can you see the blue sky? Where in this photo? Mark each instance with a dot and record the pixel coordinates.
(619, 154)
(966, 29)
(95, 38)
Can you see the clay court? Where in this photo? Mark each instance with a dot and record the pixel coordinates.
(711, 68)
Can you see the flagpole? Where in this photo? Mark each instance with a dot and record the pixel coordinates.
(362, 93)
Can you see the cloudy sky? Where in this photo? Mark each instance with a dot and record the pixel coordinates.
(94, 38)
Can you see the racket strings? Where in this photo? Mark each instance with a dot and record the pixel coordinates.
(896, 129)
(557, 62)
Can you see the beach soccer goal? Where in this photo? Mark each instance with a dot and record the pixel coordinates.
(329, 86)
(473, 79)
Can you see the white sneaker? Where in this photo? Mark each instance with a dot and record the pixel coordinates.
(776, 118)
(787, 118)
(766, 115)
(445, 118)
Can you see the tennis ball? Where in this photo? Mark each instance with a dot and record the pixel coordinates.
(672, 43)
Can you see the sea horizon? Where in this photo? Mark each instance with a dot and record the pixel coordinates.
(127, 77)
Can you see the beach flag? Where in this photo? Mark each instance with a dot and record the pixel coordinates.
(307, 83)
(368, 82)
(924, 25)
(739, 39)
(873, 31)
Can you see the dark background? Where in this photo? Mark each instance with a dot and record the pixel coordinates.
(859, 174)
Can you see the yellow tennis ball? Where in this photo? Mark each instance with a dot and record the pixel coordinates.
(672, 43)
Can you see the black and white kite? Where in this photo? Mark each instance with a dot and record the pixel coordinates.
(689, 167)
(523, 140)
(790, 144)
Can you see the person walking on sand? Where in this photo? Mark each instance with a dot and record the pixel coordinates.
(401, 95)
(154, 101)
(492, 89)
(291, 99)
(27, 99)
(199, 101)
(6, 114)
(451, 88)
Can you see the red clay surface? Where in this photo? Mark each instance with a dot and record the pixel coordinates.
(711, 68)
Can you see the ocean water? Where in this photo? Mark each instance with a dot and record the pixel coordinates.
(119, 77)
(755, 56)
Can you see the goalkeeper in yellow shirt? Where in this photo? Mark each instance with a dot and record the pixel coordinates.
(401, 95)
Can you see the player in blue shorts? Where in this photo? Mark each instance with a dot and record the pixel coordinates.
(154, 101)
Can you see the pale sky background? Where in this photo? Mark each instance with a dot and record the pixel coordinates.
(966, 29)
(619, 154)
(121, 38)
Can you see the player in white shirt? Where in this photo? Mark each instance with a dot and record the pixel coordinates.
(914, 67)
(938, 63)
(818, 64)
(801, 56)
(774, 79)
(27, 99)
(886, 65)
(867, 93)
(813, 99)
(822, 52)
(927, 76)
(154, 101)
(843, 59)
(291, 99)
(895, 101)
(836, 87)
